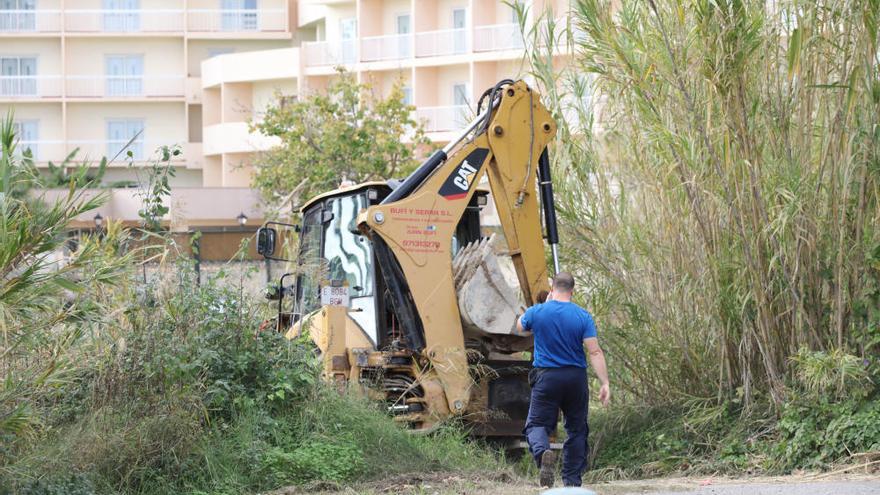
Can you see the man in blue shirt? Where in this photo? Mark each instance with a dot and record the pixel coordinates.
(559, 379)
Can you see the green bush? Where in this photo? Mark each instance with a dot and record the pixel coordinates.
(816, 433)
(833, 411)
(318, 459)
(74, 484)
(192, 398)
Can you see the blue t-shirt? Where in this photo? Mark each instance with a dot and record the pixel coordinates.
(560, 329)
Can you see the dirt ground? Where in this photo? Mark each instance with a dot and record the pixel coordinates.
(507, 484)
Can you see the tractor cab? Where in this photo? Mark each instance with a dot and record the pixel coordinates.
(335, 263)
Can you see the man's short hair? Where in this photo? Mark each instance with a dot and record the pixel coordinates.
(564, 282)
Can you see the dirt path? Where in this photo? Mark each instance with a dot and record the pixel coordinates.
(505, 484)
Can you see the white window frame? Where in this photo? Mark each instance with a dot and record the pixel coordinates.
(126, 21)
(240, 18)
(460, 109)
(33, 144)
(397, 17)
(17, 85)
(404, 40)
(348, 46)
(459, 34)
(121, 85)
(220, 50)
(21, 18)
(114, 146)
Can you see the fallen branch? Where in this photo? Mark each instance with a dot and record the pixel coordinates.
(843, 470)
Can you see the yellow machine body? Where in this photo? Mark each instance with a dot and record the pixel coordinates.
(418, 229)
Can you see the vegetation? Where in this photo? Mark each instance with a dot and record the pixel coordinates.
(346, 133)
(717, 171)
(114, 385)
(717, 167)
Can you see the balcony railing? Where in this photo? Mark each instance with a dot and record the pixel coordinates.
(25, 87)
(103, 86)
(444, 42)
(329, 52)
(144, 20)
(497, 37)
(30, 21)
(123, 21)
(41, 150)
(393, 47)
(45, 150)
(243, 20)
(442, 119)
(96, 149)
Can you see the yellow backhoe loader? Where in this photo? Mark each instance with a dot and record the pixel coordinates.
(417, 298)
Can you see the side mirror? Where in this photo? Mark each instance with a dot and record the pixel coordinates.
(274, 292)
(266, 241)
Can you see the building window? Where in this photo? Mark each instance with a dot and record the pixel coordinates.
(18, 76)
(214, 52)
(459, 33)
(125, 75)
(27, 134)
(122, 15)
(239, 15)
(348, 34)
(460, 94)
(125, 135)
(18, 15)
(407, 95)
(404, 28)
(460, 102)
(286, 101)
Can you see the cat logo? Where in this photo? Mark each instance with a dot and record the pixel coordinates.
(458, 184)
(465, 171)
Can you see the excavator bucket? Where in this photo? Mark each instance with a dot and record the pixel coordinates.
(489, 296)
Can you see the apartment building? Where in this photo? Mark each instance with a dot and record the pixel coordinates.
(444, 52)
(91, 75)
(94, 75)
(447, 52)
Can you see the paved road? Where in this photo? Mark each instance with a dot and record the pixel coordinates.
(458, 484)
(860, 486)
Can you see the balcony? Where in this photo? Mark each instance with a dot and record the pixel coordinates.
(29, 87)
(102, 86)
(498, 37)
(234, 137)
(393, 47)
(244, 20)
(144, 21)
(30, 21)
(444, 119)
(93, 150)
(443, 42)
(259, 65)
(42, 151)
(211, 205)
(123, 21)
(319, 53)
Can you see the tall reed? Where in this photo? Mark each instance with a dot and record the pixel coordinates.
(718, 166)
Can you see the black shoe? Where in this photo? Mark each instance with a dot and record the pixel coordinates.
(548, 468)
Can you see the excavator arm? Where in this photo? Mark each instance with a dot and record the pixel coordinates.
(412, 229)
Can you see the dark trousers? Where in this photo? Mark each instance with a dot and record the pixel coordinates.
(554, 389)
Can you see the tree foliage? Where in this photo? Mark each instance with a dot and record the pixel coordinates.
(347, 132)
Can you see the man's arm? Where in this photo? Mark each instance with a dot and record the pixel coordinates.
(520, 329)
(597, 362)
